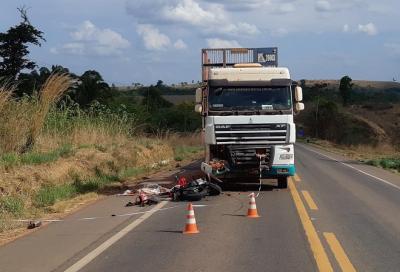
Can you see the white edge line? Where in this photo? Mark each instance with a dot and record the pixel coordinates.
(352, 167)
(113, 239)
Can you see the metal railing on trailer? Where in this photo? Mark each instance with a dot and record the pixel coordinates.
(227, 57)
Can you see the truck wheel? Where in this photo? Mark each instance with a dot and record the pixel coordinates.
(282, 182)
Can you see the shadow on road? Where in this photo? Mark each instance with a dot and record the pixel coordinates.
(245, 187)
(170, 231)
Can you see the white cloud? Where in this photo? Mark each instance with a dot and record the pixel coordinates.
(369, 29)
(179, 44)
(237, 29)
(74, 48)
(106, 40)
(189, 11)
(241, 5)
(267, 6)
(88, 39)
(152, 38)
(346, 28)
(323, 6)
(212, 18)
(220, 43)
(204, 16)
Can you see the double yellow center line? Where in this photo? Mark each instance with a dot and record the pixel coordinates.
(317, 248)
(339, 253)
(310, 202)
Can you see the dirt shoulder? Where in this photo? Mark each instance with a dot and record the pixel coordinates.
(164, 174)
(54, 184)
(383, 156)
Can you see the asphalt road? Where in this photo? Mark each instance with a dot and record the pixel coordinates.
(336, 216)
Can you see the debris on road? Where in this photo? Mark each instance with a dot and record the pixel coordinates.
(34, 224)
(144, 199)
(184, 190)
(218, 166)
(194, 190)
(153, 189)
(126, 193)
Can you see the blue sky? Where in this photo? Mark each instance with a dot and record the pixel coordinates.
(146, 40)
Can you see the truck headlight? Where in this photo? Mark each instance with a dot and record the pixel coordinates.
(286, 156)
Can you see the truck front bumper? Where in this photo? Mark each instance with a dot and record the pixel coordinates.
(279, 171)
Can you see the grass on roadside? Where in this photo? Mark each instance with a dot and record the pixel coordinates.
(15, 159)
(12, 205)
(386, 163)
(182, 152)
(131, 172)
(48, 195)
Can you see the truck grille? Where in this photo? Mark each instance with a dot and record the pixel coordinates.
(246, 155)
(251, 134)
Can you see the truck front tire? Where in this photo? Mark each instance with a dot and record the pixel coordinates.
(282, 182)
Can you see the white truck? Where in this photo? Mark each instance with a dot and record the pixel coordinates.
(247, 105)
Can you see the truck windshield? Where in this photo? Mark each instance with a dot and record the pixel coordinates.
(249, 98)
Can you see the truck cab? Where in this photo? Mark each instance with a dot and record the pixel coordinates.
(247, 104)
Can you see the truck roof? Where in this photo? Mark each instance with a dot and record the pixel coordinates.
(228, 57)
(249, 74)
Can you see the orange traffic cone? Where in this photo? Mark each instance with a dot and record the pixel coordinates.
(191, 227)
(252, 211)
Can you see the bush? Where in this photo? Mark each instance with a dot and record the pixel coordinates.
(180, 118)
(386, 163)
(49, 194)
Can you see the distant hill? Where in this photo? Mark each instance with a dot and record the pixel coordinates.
(358, 84)
(372, 116)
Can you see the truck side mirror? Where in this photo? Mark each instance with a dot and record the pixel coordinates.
(198, 108)
(298, 94)
(199, 95)
(299, 106)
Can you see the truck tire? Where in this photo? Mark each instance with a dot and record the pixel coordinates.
(282, 182)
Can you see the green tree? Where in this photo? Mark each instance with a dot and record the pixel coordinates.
(160, 84)
(29, 82)
(91, 86)
(60, 69)
(345, 89)
(153, 100)
(14, 47)
(323, 119)
(179, 118)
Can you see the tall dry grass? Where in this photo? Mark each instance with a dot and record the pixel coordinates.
(21, 120)
(5, 94)
(102, 144)
(53, 89)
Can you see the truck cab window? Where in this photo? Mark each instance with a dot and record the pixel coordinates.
(257, 98)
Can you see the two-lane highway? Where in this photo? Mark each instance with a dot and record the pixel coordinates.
(360, 204)
(336, 216)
